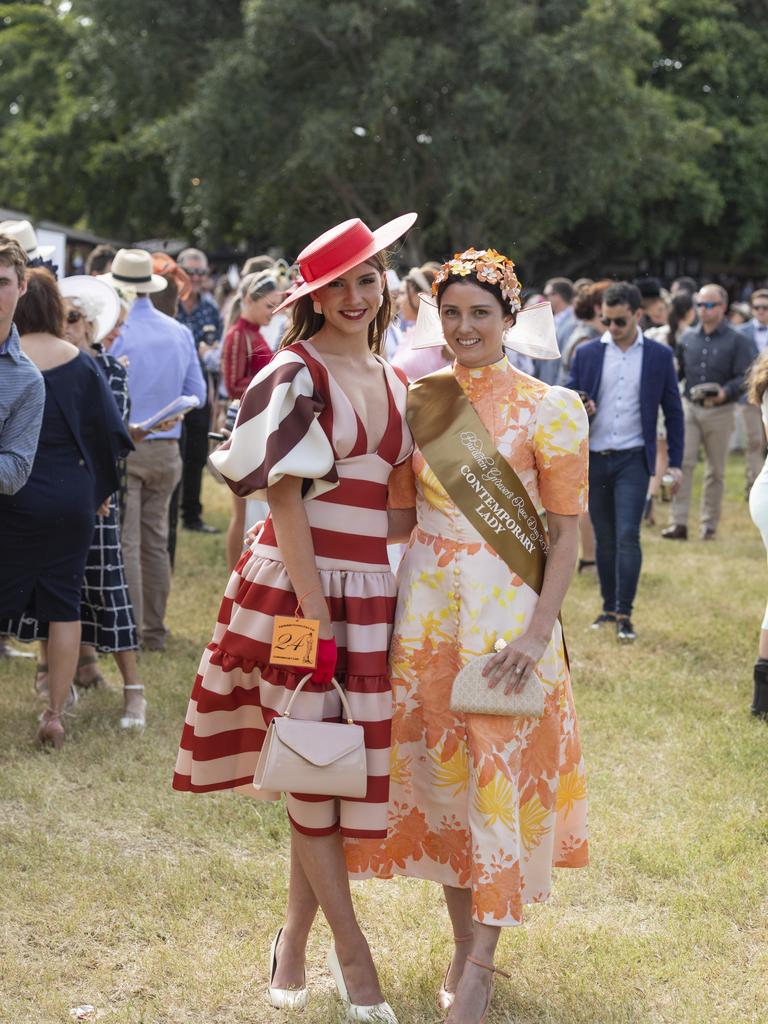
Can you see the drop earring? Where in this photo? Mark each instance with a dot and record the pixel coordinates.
(317, 307)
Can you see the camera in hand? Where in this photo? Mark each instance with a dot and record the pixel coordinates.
(210, 335)
(702, 394)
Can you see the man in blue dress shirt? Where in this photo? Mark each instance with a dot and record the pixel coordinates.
(162, 366)
(22, 392)
(624, 378)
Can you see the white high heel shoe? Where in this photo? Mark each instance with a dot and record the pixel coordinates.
(379, 1013)
(284, 998)
(135, 721)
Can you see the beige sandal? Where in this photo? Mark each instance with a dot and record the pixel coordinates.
(97, 682)
(494, 970)
(444, 997)
(41, 686)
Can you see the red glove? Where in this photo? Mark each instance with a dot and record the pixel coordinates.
(326, 661)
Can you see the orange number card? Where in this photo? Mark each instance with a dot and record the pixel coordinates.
(294, 642)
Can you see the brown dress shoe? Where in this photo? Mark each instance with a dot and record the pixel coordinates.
(675, 533)
(707, 533)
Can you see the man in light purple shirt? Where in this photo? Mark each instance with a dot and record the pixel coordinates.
(162, 366)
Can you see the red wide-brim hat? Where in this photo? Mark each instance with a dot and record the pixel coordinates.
(342, 248)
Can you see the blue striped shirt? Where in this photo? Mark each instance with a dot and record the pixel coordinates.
(22, 400)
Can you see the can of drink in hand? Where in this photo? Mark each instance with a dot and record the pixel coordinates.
(666, 487)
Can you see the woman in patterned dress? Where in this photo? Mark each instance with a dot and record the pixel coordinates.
(108, 626)
(318, 433)
(485, 805)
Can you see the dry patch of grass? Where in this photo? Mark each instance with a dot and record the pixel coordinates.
(158, 908)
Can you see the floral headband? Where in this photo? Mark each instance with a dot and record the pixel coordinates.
(488, 266)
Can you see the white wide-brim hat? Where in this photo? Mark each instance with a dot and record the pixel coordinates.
(95, 298)
(533, 334)
(23, 232)
(132, 268)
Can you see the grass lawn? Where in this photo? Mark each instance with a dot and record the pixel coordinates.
(158, 907)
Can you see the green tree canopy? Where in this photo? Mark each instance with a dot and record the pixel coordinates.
(564, 132)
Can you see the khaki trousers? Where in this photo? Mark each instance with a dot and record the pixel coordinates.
(712, 429)
(154, 470)
(755, 441)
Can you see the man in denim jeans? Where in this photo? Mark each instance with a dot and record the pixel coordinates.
(624, 378)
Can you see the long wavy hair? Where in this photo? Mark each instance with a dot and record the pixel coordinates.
(306, 322)
(757, 381)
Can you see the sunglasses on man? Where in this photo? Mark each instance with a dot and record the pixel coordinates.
(620, 321)
(194, 272)
(707, 305)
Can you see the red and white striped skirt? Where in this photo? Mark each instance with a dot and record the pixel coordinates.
(237, 692)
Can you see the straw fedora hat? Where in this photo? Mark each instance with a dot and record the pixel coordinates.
(342, 248)
(97, 300)
(132, 268)
(23, 232)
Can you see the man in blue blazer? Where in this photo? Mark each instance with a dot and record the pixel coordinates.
(624, 378)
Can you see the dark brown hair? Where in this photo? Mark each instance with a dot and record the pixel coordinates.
(492, 289)
(40, 309)
(100, 259)
(167, 301)
(306, 322)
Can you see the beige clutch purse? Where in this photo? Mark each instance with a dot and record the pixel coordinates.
(319, 758)
(470, 693)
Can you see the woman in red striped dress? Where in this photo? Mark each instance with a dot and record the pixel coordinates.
(318, 434)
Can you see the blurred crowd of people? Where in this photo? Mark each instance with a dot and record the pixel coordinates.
(115, 383)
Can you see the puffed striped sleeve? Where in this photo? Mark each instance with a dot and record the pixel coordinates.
(277, 434)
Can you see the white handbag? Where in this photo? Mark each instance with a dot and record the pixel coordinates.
(319, 758)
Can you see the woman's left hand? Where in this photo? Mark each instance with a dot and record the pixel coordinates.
(512, 665)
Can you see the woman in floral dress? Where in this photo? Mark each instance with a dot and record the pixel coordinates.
(485, 805)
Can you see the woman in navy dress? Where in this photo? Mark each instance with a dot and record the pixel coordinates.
(47, 527)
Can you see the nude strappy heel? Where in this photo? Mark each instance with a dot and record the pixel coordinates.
(494, 970)
(444, 997)
(51, 729)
